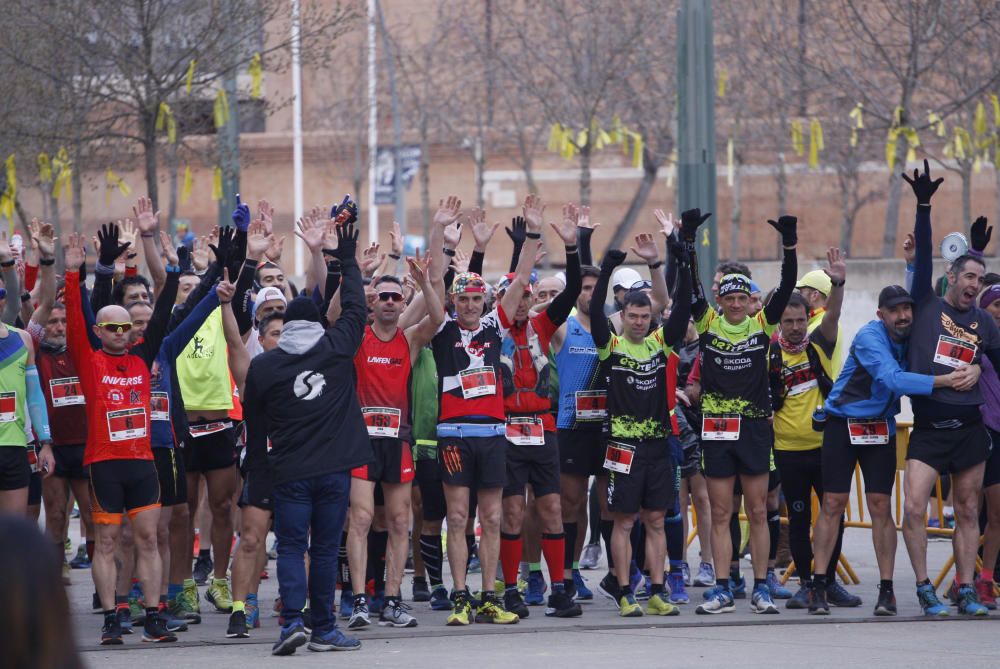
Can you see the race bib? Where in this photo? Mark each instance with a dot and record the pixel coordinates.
(8, 407)
(66, 392)
(618, 457)
(478, 382)
(725, 427)
(127, 424)
(382, 421)
(868, 432)
(591, 404)
(802, 387)
(525, 431)
(159, 406)
(198, 431)
(32, 459)
(954, 352)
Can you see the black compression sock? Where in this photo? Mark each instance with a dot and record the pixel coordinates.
(819, 580)
(606, 528)
(774, 529)
(569, 553)
(885, 585)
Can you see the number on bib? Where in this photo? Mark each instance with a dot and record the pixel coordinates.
(127, 424)
(478, 382)
(619, 457)
(868, 432)
(66, 391)
(382, 421)
(720, 428)
(525, 431)
(954, 352)
(591, 404)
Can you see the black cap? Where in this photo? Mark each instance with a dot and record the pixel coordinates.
(302, 309)
(892, 296)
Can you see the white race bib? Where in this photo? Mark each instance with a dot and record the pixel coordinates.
(478, 382)
(382, 421)
(866, 432)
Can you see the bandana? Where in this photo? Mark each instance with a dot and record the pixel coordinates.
(734, 283)
(793, 349)
(468, 282)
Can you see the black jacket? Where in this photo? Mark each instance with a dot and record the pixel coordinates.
(302, 394)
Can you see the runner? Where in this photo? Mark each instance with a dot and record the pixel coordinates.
(471, 443)
(948, 432)
(990, 384)
(383, 368)
(641, 431)
(123, 478)
(736, 434)
(861, 429)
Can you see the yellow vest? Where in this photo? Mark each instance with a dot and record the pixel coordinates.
(793, 423)
(203, 368)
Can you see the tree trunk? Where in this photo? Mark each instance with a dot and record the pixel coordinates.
(847, 220)
(425, 179)
(966, 198)
(782, 178)
(736, 212)
(585, 174)
(892, 205)
(149, 152)
(172, 204)
(649, 170)
(77, 182)
(480, 158)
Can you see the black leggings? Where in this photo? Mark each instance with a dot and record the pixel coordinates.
(800, 474)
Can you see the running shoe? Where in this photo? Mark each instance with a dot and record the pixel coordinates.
(678, 594)
(137, 610)
(68, 545)
(346, 604)
(886, 604)
(778, 591)
(968, 602)
(513, 602)
(816, 598)
(721, 601)
(462, 615)
(81, 561)
(800, 600)
(536, 589)
(709, 593)
(706, 575)
(929, 602)
(111, 632)
(837, 595)
(609, 587)
(238, 627)
(75, 513)
(332, 640)
(561, 605)
(583, 593)
(124, 615)
(474, 566)
(359, 614)
(760, 600)
(738, 588)
(490, 611)
(628, 607)
(219, 596)
(187, 605)
(686, 570)
(154, 631)
(203, 567)
(172, 623)
(984, 589)
(252, 610)
(590, 556)
(292, 636)
(396, 614)
(439, 599)
(658, 606)
(421, 593)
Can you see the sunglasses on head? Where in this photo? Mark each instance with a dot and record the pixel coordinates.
(390, 296)
(115, 328)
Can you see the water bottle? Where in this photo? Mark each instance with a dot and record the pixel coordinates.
(819, 418)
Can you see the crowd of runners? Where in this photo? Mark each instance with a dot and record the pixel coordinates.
(394, 411)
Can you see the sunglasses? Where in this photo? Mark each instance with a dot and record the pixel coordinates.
(115, 328)
(390, 296)
(641, 285)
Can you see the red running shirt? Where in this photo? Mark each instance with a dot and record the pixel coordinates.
(116, 388)
(383, 374)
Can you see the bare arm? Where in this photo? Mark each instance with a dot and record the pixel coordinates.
(838, 274)
(533, 210)
(419, 335)
(149, 221)
(43, 235)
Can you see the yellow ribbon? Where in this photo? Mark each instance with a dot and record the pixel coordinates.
(189, 79)
(115, 181)
(897, 117)
(62, 167)
(815, 142)
(165, 120)
(256, 76)
(221, 109)
(797, 144)
(11, 177)
(996, 109)
(187, 184)
(730, 167)
(856, 116)
(217, 184)
(934, 120)
(44, 168)
(979, 122)
(723, 78)
(555, 138)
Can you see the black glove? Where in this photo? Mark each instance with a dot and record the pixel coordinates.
(691, 220)
(981, 234)
(225, 248)
(110, 248)
(786, 227)
(612, 259)
(184, 258)
(347, 242)
(518, 230)
(678, 249)
(922, 185)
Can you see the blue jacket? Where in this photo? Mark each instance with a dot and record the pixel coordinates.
(874, 377)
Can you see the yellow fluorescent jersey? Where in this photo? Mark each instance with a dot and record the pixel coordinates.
(203, 368)
(815, 318)
(793, 423)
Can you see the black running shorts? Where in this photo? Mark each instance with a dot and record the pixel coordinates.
(581, 452)
(172, 477)
(649, 484)
(15, 472)
(749, 455)
(122, 486)
(537, 466)
(69, 462)
(213, 449)
(473, 462)
(839, 458)
(950, 451)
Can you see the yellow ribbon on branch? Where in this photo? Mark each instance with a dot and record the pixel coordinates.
(256, 75)
(217, 184)
(63, 170)
(815, 142)
(567, 142)
(189, 78)
(220, 111)
(165, 120)
(114, 181)
(797, 144)
(44, 168)
(187, 184)
(723, 79)
(935, 121)
(979, 120)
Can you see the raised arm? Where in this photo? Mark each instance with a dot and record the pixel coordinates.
(691, 220)
(76, 327)
(346, 333)
(585, 230)
(446, 232)
(676, 326)
(421, 334)
(148, 222)
(598, 323)
(517, 231)
(645, 248)
(561, 306)
(837, 271)
(787, 228)
(923, 189)
(533, 210)
(43, 235)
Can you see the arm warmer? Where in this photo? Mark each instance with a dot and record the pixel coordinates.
(36, 404)
(583, 245)
(789, 269)
(598, 322)
(563, 303)
(924, 270)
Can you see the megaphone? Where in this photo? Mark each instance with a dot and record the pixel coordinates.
(954, 245)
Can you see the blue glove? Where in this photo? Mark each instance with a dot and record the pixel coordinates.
(241, 215)
(345, 212)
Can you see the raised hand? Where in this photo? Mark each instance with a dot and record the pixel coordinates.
(922, 185)
(275, 248)
(74, 252)
(461, 261)
(258, 240)
(518, 230)
(583, 219)
(981, 234)
(199, 257)
(533, 211)
(147, 219)
(453, 234)
(397, 240)
(667, 222)
(448, 211)
(42, 235)
(691, 220)
(645, 248)
(787, 228)
(482, 231)
(419, 267)
(311, 232)
(613, 258)
(347, 241)
(167, 249)
(566, 227)
(371, 259)
(909, 248)
(836, 264)
(265, 214)
(225, 289)
(241, 214)
(107, 238)
(345, 212)
(128, 232)
(223, 252)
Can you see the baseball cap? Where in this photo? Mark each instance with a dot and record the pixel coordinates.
(817, 280)
(734, 283)
(266, 295)
(892, 296)
(624, 277)
(504, 283)
(468, 282)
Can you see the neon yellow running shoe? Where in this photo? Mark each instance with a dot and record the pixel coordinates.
(628, 607)
(462, 614)
(491, 612)
(659, 606)
(218, 595)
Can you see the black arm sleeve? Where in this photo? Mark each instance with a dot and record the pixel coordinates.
(476, 262)
(583, 245)
(345, 335)
(677, 323)
(789, 270)
(563, 303)
(208, 280)
(100, 296)
(923, 273)
(598, 322)
(699, 305)
(241, 299)
(333, 278)
(156, 330)
(514, 258)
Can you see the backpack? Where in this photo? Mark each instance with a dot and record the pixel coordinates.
(777, 381)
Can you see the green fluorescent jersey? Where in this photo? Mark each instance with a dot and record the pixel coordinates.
(424, 405)
(637, 386)
(734, 365)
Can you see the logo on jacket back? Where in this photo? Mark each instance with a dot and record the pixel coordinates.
(309, 385)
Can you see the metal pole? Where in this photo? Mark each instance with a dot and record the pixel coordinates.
(372, 210)
(229, 138)
(696, 124)
(297, 133)
(399, 197)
